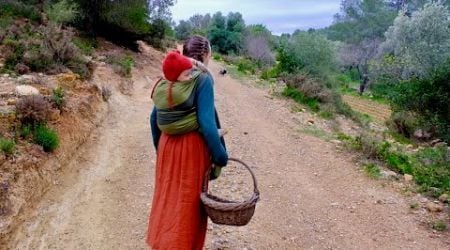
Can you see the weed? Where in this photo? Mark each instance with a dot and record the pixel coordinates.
(372, 171)
(299, 97)
(46, 137)
(7, 146)
(439, 225)
(58, 97)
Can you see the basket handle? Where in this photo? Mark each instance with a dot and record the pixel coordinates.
(255, 183)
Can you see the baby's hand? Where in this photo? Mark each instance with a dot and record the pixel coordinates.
(199, 65)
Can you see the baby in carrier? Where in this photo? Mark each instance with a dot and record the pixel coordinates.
(178, 69)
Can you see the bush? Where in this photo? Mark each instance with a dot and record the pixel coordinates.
(26, 131)
(46, 137)
(432, 168)
(427, 98)
(17, 8)
(62, 12)
(299, 97)
(122, 64)
(270, 73)
(310, 87)
(246, 66)
(404, 123)
(7, 146)
(58, 97)
(33, 109)
(86, 45)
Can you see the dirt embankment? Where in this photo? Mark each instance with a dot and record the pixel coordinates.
(30, 172)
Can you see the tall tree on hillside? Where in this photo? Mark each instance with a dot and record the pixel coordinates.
(183, 30)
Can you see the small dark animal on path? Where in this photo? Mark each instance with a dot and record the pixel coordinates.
(223, 72)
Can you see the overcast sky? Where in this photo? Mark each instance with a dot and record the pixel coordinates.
(280, 16)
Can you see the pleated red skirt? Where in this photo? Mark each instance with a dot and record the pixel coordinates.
(177, 219)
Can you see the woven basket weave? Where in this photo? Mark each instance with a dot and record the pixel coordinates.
(225, 212)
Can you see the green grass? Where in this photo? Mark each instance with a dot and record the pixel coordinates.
(372, 171)
(25, 131)
(440, 225)
(8, 147)
(46, 137)
(430, 167)
(299, 97)
(86, 45)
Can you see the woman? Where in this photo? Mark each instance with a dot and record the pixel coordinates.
(177, 219)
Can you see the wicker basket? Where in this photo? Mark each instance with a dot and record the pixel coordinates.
(225, 212)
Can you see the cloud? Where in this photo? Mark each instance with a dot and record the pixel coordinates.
(280, 16)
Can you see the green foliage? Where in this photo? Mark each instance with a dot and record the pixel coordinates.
(19, 9)
(309, 52)
(46, 137)
(301, 98)
(64, 11)
(440, 225)
(372, 171)
(270, 73)
(226, 33)
(25, 131)
(58, 97)
(7, 146)
(86, 45)
(123, 64)
(246, 66)
(430, 167)
(428, 98)
(416, 46)
(217, 57)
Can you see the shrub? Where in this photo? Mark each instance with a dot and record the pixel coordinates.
(17, 8)
(122, 64)
(7, 146)
(33, 109)
(269, 73)
(312, 88)
(86, 45)
(58, 97)
(428, 98)
(246, 66)
(217, 57)
(62, 12)
(403, 122)
(432, 168)
(46, 137)
(26, 131)
(299, 97)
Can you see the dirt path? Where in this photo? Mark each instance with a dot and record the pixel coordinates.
(313, 197)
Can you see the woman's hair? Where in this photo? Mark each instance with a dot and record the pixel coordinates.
(196, 47)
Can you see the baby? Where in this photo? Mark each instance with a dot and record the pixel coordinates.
(179, 68)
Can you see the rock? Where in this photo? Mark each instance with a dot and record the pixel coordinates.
(101, 58)
(11, 102)
(408, 178)
(389, 174)
(25, 90)
(434, 142)
(6, 75)
(435, 208)
(422, 135)
(6, 94)
(440, 144)
(27, 79)
(444, 198)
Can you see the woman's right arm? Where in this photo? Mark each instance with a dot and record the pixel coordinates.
(207, 120)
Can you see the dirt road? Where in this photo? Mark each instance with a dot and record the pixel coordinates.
(313, 196)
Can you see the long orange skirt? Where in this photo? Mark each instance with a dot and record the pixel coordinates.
(177, 219)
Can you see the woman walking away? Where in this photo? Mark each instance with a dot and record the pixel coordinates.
(185, 133)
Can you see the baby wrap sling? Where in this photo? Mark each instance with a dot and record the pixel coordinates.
(175, 103)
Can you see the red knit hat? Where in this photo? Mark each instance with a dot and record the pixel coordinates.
(174, 64)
